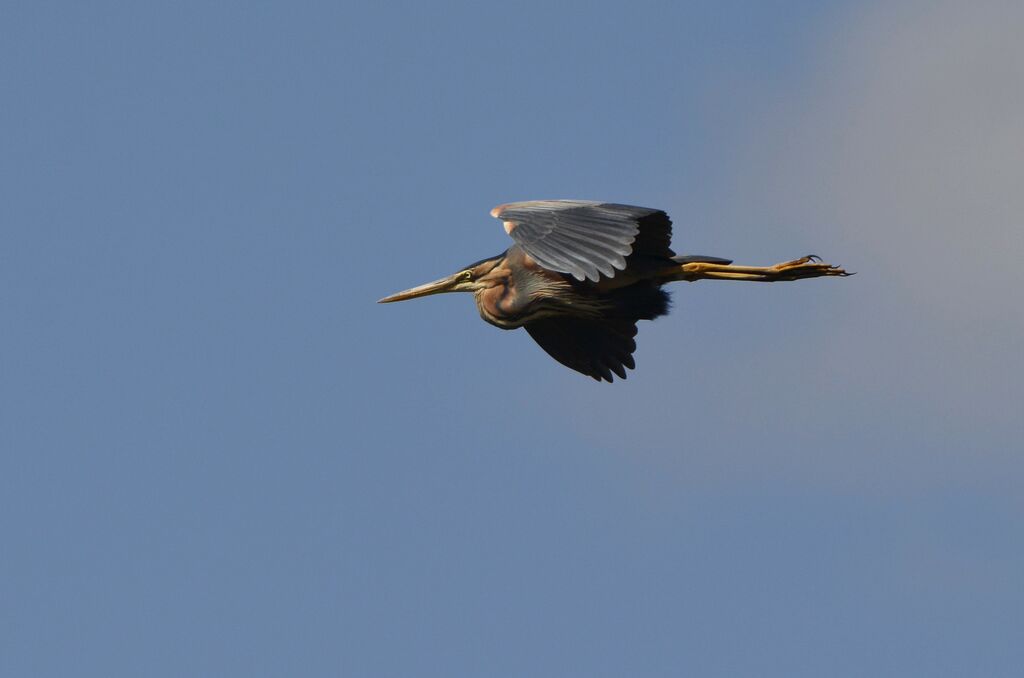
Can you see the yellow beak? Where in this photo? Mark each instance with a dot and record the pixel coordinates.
(437, 287)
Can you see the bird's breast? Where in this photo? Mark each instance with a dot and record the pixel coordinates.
(517, 301)
(502, 305)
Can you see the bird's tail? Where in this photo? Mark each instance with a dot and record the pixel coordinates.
(700, 259)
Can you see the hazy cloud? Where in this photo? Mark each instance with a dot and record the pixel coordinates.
(900, 154)
(912, 148)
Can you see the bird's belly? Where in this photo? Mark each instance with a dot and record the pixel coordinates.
(511, 322)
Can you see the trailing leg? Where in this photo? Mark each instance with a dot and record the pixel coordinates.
(805, 267)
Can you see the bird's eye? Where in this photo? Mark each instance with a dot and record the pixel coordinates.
(466, 276)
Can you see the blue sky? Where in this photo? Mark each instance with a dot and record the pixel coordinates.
(219, 456)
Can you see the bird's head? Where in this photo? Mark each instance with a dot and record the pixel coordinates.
(472, 278)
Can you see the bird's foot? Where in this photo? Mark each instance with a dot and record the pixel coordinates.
(810, 266)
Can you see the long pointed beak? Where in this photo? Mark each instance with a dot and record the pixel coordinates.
(436, 287)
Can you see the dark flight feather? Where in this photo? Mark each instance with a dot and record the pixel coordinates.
(599, 347)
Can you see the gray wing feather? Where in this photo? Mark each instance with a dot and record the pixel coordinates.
(582, 238)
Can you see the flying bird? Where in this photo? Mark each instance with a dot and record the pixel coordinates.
(582, 273)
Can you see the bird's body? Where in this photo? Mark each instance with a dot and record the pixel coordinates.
(516, 291)
(582, 273)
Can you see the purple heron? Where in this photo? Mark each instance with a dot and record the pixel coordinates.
(582, 273)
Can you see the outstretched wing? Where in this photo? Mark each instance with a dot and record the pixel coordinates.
(597, 348)
(582, 238)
